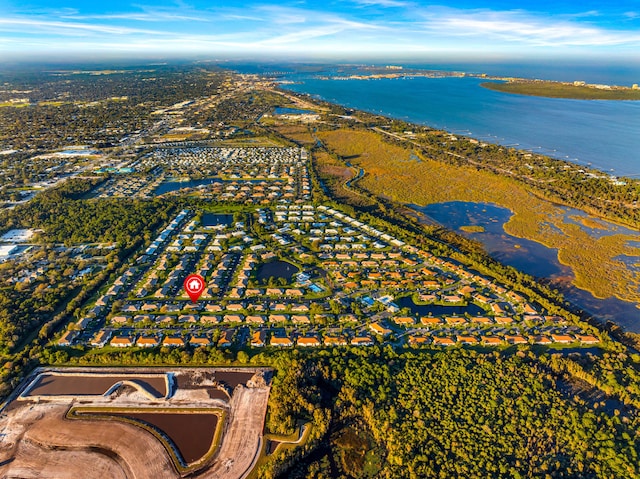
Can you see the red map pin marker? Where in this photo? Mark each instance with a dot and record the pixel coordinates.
(194, 286)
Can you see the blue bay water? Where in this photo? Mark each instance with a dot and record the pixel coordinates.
(604, 134)
(534, 258)
(601, 134)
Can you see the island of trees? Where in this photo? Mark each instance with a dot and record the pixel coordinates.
(552, 89)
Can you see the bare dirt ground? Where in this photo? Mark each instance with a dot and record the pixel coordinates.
(61, 464)
(242, 437)
(120, 450)
(38, 441)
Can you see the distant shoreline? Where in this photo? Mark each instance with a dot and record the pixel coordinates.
(553, 89)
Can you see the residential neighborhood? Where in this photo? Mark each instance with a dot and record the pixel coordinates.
(283, 271)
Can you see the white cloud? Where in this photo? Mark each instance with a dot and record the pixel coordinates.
(15, 24)
(140, 17)
(283, 15)
(268, 27)
(522, 27)
(382, 3)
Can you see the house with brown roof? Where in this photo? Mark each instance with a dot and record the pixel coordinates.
(555, 319)
(280, 341)
(147, 342)
(122, 341)
(255, 319)
(455, 320)
(235, 293)
(418, 340)
(335, 341)
(100, 339)
(562, 338)
(480, 320)
(300, 319)
(209, 319)
(173, 342)
(278, 318)
(149, 307)
(503, 320)
(481, 298)
(257, 307)
(102, 301)
(404, 320)
(142, 317)
(587, 339)
(452, 298)
(198, 341)
(467, 339)
(498, 308)
(226, 338)
(362, 341)
(67, 338)
(258, 339)
(515, 339)
(308, 341)
(466, 289)
(491, 340)
(380, 329)
(516, 297)
(430, 321)
(446, 341)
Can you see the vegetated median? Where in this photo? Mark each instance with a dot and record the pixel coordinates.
(552, 89)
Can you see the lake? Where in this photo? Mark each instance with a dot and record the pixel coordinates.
(601, 133)
(437, 309)
(531, 257)
(276, 269)
(169, 186)
(215, 219)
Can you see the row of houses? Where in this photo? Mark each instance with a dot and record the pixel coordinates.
(259, 338)
(215, 319)
(584, 339)
(166, 233)
(284, 171)
(152, 341)
(129, 186)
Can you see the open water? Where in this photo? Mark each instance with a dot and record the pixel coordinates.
(603, 134)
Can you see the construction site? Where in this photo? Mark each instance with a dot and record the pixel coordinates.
(135, 423)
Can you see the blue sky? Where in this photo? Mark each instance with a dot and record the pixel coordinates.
(321, 29)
